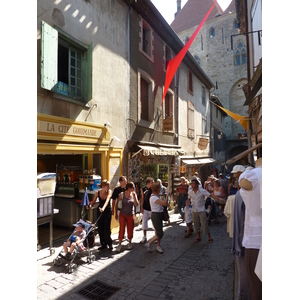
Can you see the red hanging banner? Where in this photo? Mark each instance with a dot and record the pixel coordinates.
(174, 63)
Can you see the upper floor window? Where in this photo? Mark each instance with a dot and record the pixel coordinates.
(190, 82)
(186, 39)
(167, 56)
(236, 24)
(203, 96)
(212, 32)
(191, 125)
(168, 107)
(145, 93)
(240, 54)
(201, 41)
(223, 36)
(204, 126)
(66, 64)
(146, 39)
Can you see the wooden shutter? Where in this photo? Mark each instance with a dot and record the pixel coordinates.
(144, 100)
(49, 53)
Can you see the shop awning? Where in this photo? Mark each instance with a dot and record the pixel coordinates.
(198, 161)
(243, 154)
(151, 150)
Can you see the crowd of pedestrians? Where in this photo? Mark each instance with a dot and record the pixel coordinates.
(154, 199)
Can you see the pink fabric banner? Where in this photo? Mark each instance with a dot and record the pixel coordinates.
(174, 63)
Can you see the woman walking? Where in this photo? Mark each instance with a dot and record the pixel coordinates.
(157, 216)
(129, 200)
(104, 221)
(219, 196)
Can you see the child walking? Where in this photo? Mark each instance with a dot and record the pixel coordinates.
(188, 218)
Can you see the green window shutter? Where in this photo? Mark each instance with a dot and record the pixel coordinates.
(88, 90)
(49, 50)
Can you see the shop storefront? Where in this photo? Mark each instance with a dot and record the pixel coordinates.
(153, 160)
(202, 165)
(80, 155)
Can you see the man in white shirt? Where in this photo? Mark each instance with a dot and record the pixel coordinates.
(196, 197)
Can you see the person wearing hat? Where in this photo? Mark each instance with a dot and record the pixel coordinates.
(209, 183)
(181, 195)
(76, 239)
(196, 198)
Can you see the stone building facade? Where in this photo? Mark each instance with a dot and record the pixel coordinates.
(221, 53)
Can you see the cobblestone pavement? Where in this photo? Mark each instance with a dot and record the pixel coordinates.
(186, 270)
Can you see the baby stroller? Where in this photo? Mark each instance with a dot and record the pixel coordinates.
(211, 211)
(88, 243)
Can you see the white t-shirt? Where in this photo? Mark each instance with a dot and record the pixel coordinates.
(253, 216)
(154, 206)
(198, 199)
(188, 214)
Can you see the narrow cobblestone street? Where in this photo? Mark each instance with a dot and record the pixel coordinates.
(186, 269)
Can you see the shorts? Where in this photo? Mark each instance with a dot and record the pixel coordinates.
(146, 216)
(156, 218)
(200, 217)
(72, 238)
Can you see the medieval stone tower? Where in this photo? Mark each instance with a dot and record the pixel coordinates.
(221, 53)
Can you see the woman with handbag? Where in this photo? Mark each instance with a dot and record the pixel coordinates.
(126, 217)
(157, 216)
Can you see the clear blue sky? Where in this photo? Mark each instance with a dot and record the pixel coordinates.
(167, 8)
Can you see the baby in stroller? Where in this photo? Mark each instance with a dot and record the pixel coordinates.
(76, 239)
(211, 211)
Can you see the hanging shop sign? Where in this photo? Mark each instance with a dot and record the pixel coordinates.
(148, 150)
(168, 124)
(202, 143)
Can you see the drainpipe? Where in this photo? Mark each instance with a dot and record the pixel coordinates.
(249, 133)
(128, 133)
(247, 45)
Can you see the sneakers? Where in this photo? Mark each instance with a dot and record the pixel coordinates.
(158, 249)
(129, 246)
(144, 240)
(119, 247)
(147, 246)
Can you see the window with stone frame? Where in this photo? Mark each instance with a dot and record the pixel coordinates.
(145, 94)
(146, 39)
(66, 65)
(203, 95)
(240, 54)
(191, 124)
(167, 56)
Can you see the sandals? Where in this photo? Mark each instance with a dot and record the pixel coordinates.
(210, 241)
(197, 240)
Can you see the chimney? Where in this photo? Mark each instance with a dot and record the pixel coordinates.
(178, 8)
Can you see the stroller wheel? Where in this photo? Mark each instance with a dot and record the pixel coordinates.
(91, 259)
(59, 262)
(72, 267)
